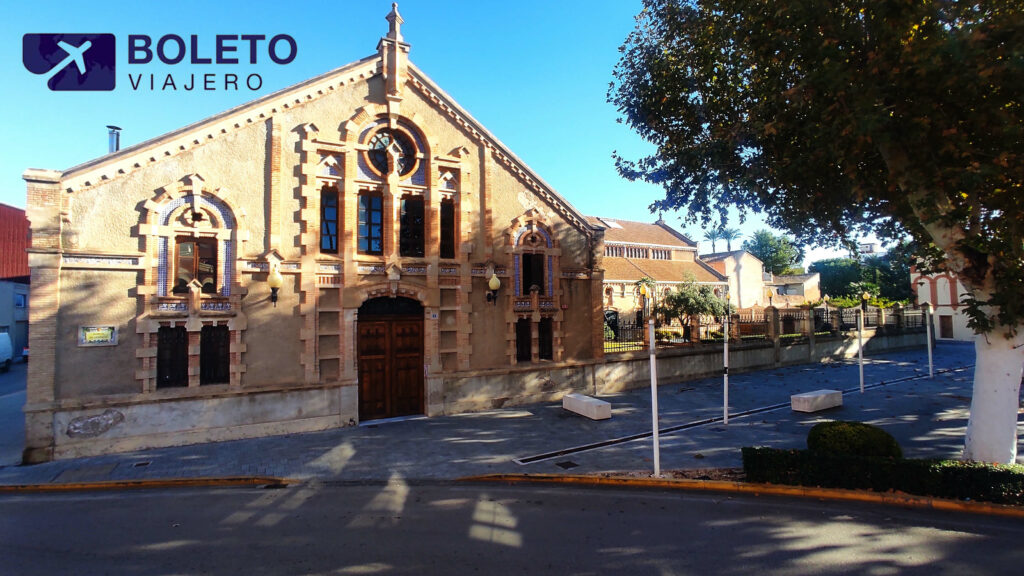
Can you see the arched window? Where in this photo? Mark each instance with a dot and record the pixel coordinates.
(195, 259)
(329, 219)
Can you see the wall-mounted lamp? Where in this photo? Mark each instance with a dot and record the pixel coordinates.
(492, 289)
(493, 285)
(274, 280)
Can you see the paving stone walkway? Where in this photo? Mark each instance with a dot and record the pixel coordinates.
(927, 416)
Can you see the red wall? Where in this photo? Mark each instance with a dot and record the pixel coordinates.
(13, 242)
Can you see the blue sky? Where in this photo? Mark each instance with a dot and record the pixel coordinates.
(535, 73)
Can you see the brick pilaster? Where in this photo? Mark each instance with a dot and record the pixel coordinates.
(44, 206)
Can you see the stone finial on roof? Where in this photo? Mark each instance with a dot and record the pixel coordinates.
(395, 23)
(394, 54)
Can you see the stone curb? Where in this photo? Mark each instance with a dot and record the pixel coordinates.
(226, 481)
(839, 494)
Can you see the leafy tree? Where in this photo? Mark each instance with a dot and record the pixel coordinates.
(792, 271)
(776, 252)
(837, 275)
(893, 276)
(690, 300)
(840, 118)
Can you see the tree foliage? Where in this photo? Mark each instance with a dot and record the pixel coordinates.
(713, 236)
(886, 276)
(837, 276)
(729, 234)
(776, 252)
(689, 300)
(839, 118)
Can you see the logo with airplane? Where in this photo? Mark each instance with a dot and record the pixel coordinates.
(71, 62)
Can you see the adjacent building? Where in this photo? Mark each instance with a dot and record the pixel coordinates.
(14, 277)
(793, 289)
(944, 292)
(637, 250)
(354, 247)
(746, 277)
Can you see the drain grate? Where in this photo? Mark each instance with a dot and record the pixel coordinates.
(140, 464)
(566, 465)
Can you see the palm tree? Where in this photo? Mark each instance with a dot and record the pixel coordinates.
(728, 234)
(713, 236)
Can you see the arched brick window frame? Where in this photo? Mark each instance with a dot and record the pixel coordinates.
(181, 211)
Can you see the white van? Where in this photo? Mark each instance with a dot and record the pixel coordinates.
(6, 352)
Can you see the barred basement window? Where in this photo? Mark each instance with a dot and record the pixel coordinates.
(524, 341)
(410, 233)
(447, 247)
(329, 219)
(171, 357)
(546, 339)
(214, 355)
(371, 223)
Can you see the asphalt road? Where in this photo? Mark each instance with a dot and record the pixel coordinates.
(439, 528)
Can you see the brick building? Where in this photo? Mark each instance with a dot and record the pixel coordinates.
(354, 247)
(635, 250)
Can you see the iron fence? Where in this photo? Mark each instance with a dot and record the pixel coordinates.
(913, 319)
(752, 325)
(623, 336)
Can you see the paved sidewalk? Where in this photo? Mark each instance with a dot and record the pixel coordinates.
(928, 417)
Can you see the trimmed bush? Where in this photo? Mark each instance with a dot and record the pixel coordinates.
(1000, 484)
(852, 439)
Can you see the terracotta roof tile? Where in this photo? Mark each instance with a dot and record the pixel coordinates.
(641, 232)
(630, 270)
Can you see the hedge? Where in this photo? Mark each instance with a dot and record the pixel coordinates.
(1000, 484)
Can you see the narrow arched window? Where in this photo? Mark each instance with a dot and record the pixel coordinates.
(410, 232)
(329, 219)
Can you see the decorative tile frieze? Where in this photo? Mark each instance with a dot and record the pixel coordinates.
(215, 306)
(93, 261)
(371, 269)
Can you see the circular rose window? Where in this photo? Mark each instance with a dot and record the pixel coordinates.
(387, 144)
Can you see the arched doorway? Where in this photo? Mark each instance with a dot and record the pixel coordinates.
(390, 346)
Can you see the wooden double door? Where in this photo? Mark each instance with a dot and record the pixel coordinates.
(390, 365)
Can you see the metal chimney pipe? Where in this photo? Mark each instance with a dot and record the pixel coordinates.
(113, 138)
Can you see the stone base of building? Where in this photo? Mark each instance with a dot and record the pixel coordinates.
(132, 424)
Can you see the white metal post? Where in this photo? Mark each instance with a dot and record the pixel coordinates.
(928, 333)
(654, 398)
(725, 373)
(860, 346)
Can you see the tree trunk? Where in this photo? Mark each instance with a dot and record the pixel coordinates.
(992, 428)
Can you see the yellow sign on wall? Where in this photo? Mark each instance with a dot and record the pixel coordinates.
(97, 335)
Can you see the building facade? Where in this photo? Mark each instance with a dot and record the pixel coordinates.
(354, 247)
(14, 277)
(637, 250)
(944, 292)
(746, 277)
